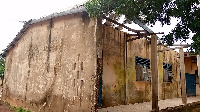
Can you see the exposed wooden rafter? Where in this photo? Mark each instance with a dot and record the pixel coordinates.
(128, 28)
(168, 49)
(139, 33)
(179, 46)
(183, 45)
(145, 34)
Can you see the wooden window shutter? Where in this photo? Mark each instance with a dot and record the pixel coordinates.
(139, 73)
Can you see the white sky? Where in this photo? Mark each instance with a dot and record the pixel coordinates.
(13, 11)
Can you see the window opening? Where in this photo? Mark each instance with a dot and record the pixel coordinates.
(142, 69)
(167, 72)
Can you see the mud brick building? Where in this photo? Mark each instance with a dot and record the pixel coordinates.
(70, 62)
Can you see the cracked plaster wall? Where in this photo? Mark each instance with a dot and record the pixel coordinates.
(119, 74)
(53, 66)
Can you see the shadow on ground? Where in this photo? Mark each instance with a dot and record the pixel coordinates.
(191, 107)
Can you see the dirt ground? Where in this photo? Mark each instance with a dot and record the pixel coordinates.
(146, 106)
(4, 107)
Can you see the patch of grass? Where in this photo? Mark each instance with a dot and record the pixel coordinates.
(19, 109)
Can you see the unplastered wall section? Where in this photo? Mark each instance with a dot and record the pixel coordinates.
(53, 66)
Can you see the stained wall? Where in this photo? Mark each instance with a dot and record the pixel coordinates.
(190, 68)
(113, 77)
(140, 91)
(56, 68)
(53, 66)
(119, 72)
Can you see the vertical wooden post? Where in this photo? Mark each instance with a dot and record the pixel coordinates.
(183, 83)
(154, 73)
(198, 65)
(125, 68)
(160, 73)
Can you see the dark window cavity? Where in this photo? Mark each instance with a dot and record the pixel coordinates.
(142, 69)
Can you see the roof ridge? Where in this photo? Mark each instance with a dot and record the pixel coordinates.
(75, 9)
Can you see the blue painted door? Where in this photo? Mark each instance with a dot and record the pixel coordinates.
(100, 91)
(191, 84)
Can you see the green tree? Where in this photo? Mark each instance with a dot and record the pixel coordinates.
(151, 11)
(2, 65)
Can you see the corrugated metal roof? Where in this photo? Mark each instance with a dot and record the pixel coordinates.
(73, 10)
(143, 26)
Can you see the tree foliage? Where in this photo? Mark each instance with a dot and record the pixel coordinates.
(2, 65)
(150, 11)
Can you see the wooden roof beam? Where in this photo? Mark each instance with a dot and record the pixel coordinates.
(128, 28)
(133, 39)
(144, 34)
(168, 49)
(183, 45)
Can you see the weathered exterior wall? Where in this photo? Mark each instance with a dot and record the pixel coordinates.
(54, 71)
(119, 73)
(113, 67)
(140, 91)
(171, 90)
(189, 66)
